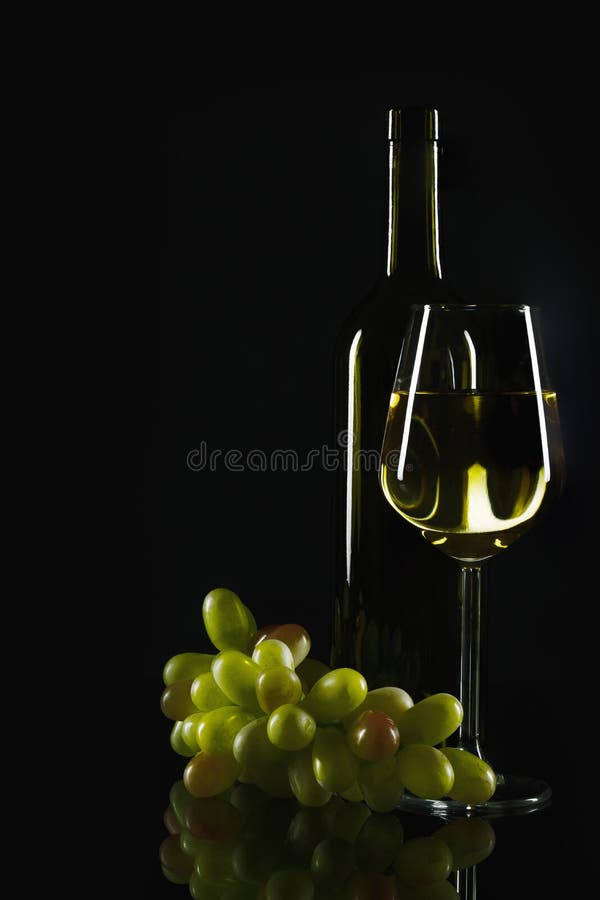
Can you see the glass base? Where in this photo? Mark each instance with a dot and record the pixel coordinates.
(515, 795)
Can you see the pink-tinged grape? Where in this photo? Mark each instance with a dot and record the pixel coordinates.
(335, 695)
(332, 861)
(226, 620)
(214, 863)
(474, 779)
(171, 821)
(189, 730)
(252, 746)
(174, 859)
(377, 842)
(381, 784)
(260, 634)
(236, 675)
(363, 886)
(179, 799)
(271, 652)
(373, 736)
(178, 744)
(297, 639)
(202, 890)
(218, 728)
(349, 820)
(277, 686)
(334, 766)
(184, 666)
(430, 721)
(470, 841)
(303, 783)
(310, 670)
(291, 728)
(393, 701)
(423, 861)
(206, 693)
(289, 884)
(425, 771)
(206, 775)
(212, 819)
(176, 702)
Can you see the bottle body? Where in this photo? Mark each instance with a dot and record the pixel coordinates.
(394, 618)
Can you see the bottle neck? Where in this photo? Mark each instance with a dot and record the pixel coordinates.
(413, 229)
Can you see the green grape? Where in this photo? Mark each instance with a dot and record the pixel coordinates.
(290, 727)
(354, 793)
(430, 721)
(308, 827)
(381, 784)
(189, 843)
(349, 820)
(189, 728)
(303, 783)
(310, 670)
(423, 861)
(271, 652)
(177, 741)
(212, 819)
(277, 686)
(226, 620)
(173, 877)
(214, 863)
(335, 695)
(273, 780)
(425, 771)
(184, 666)
(377, 842)
(176, 702)
(392, 701)
(296, 637)
(218, 728)
(331, 809)
(470, 841)
(334, 766)
(206, 775)
(206, 693)
(252, 746)
(239, 892)
(252, 627)
(202, 890)
(171, 821)
(248, 799)
(180, 799)
(474, 779)
(236, 675)
(363, 886)
(254, 859)
(174, 859)
(332, 861)
(373, 736)
(290, 884)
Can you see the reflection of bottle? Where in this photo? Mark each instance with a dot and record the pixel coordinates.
(392, 606)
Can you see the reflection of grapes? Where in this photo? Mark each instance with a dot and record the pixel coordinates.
(261, 711)
(245, 845)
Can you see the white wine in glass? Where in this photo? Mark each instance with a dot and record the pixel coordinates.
(472, 456)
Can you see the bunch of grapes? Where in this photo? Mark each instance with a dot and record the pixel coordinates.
(244, 845)
(261, 711)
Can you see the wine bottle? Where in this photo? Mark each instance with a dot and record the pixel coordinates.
(393, 609)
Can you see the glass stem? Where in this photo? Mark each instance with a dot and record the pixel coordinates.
(470, 596)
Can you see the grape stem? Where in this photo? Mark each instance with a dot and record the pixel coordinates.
(470, 596)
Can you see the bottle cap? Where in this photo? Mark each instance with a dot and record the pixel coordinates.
(413, 123)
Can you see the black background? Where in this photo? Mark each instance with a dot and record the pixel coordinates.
(272, 215)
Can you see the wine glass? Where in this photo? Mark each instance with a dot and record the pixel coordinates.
(472, 456)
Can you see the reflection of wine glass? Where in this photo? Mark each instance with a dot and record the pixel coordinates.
(472, 455)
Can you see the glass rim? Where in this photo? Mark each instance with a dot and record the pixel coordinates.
(468, 307)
